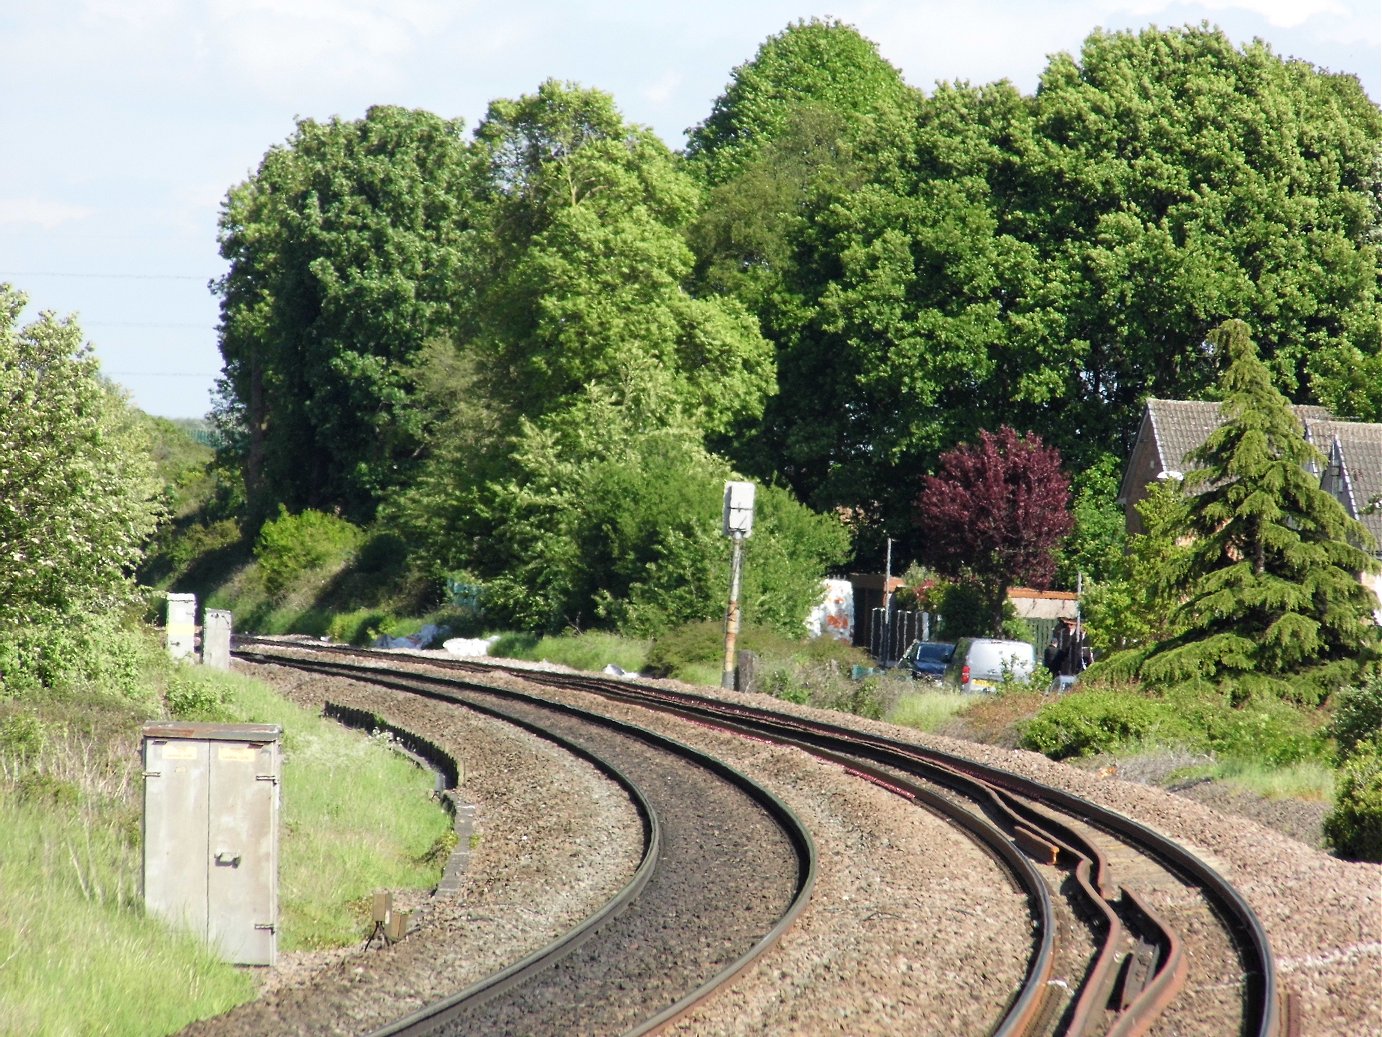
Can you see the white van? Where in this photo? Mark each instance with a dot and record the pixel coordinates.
(983, 663)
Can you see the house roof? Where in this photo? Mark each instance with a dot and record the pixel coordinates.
(1171, 429)
(1179, 426)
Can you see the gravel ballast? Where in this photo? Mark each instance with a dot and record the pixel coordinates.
(906, 930)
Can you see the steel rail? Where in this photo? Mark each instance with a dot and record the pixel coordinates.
(1030, 830)
(1027, 1003)
(1266, 1010)
(445, 689)
(1263, 1016)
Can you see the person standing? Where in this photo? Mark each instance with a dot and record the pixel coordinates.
(1068, 654)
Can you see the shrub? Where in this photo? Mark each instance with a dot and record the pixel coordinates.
(292, 547)
(1265, 731)
(197, 541)
(1084, 723)
(197, 695)
(358, 627)
(1357, 717)
(682, 647)
(1354, 826)
(23, 737)
(96, 651)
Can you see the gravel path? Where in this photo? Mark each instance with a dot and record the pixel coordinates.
(905, 931)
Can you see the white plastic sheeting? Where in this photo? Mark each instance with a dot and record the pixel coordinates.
(834, 616)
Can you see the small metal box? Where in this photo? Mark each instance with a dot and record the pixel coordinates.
(211, 803)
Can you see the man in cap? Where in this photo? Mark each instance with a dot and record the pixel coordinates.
(1068, 653)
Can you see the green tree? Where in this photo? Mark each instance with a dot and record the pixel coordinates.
(588, 265)
(1270, 580)
(820, 65)
(78, 493)
(1096, 548)
(611, 518)
(1180, 181)
(814, 117)
(1133, 604)
(346, 251)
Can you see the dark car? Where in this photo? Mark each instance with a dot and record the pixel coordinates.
(927, 660)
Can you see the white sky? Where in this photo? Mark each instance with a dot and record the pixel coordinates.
(126, 121)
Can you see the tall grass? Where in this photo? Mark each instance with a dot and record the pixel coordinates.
(927, 710)
(1304, 779)
(591, 650)
(78, 954)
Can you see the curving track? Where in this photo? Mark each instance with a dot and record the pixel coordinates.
(1132, 933)
(672, 935)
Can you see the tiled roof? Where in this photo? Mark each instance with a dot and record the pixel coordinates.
(1353, 450)
(1179, 426)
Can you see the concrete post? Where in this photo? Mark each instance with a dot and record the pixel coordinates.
(216, 631)
(182, 625)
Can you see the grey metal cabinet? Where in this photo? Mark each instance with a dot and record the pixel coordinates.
(211, 804)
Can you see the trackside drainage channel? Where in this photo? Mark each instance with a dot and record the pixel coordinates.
(441, 763)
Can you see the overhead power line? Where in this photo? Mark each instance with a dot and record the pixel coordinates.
(134, 277)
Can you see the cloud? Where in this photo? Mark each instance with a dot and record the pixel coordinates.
(286, 47)
(40, 212)
(1284, 14)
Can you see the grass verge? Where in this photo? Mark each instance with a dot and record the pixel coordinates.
(927, 710)
(78, 954)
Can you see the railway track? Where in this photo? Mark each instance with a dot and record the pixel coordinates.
(1131, 933)
(672, 935)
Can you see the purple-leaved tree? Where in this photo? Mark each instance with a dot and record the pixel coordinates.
(994, 513)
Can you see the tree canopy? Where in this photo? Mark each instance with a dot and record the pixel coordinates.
(840, 280)
(346, 249)
(78, 496)
(588, 264)
(995, 512)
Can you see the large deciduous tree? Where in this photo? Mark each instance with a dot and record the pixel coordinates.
(346, 251)
(817, 65)
(1180, 182)
(583, 492)
(1049, 261)
(995, 513)
(78, 493)
(1270, 582)
(798, 130)
(586, 282)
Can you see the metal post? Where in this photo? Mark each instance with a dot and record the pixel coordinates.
(890, 647)
(736, 566)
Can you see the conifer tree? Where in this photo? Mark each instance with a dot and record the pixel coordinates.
(1270, 582)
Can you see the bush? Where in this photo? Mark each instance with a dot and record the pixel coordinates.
(1354, 826)
(23, 737)
(1264, 731)
(293, 547)
(828, 686)
(1357, 717)
(357, 627)
(200, 695)
(97, 651)
(685, 646)
(1084, 723)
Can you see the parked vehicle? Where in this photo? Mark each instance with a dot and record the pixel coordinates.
(981, 664)
(927, 660)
